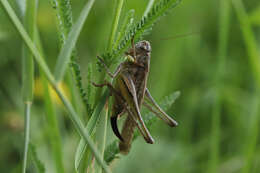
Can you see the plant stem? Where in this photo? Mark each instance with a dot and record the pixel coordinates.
(28, 75)
(27, 113)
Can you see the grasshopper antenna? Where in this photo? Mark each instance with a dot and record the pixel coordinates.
(181, 35)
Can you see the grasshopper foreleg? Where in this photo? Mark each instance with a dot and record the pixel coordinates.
(112, 75)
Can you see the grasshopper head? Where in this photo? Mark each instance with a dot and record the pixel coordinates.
(143, 51)
(143, 46)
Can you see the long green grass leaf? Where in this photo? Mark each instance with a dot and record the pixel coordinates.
(66, 51)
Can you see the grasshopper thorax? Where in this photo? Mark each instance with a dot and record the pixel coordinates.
(141, 53)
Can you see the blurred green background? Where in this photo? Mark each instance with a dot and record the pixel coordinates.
(209, 85)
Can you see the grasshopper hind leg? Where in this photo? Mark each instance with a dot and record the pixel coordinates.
(113, 121)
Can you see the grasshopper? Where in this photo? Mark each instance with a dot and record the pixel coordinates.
(129, 93)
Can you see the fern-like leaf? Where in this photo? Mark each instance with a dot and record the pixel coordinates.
(82, 92)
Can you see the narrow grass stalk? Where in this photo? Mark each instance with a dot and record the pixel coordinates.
(148, 7)
(222, 54)
(28, 75)
(112, 37)
(253, 55)
(27, 113)
(66, 51)
(40, 60)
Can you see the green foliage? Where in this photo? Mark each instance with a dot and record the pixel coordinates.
(218, 113)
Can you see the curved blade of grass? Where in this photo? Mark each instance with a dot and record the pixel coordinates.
(28, 74)
(253, 55)
(90, 128)
(40, 60)
(66, 51)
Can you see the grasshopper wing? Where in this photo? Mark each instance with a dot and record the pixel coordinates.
(128, 92)
(161, 114)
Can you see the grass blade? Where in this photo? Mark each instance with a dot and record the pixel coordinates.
(66, 51)
(28, 75)
(27, 134)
